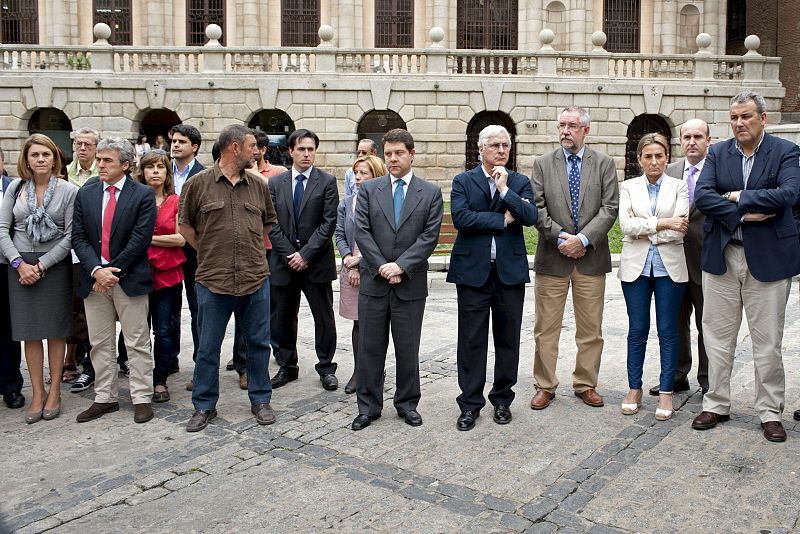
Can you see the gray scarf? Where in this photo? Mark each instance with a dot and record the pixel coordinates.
(39, 226)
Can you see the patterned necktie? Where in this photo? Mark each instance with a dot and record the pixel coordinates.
(399, 198)
(108, 217)
(691, 181)
(574, 186)
(298, 196)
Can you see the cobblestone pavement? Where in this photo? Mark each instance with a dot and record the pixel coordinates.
(569, 468)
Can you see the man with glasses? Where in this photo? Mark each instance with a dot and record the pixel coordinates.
(84, 147)
(489, 265)
(577, 196)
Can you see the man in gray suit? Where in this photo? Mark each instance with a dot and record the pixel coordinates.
(397, 226)
(695, 139)
(577, 196)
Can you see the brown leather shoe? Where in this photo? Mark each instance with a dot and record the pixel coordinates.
(590, 398)
(142, 413)
(707, 420)
(97, 409)
(200, 419)
(264, 414)
(773, 431)
(243, 381)
(542, 399)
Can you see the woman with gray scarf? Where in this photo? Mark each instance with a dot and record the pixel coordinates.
(35, 238)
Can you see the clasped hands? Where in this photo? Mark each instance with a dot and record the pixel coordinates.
(105, 279)
(296, 262)
(391, 272)
(572, 247)
(750, 216)
(29, 274)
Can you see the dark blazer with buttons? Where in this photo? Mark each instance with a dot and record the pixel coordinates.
(131, 233)
(771, 247)
(409, 243)
(693, 242)
(312, 235)
(479, 218)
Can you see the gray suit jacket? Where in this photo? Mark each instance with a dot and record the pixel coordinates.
(693, 242)
(597, 210)
(408, 244)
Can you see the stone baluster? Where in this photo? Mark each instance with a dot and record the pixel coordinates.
(598, 57)
(326, 52)
(546, 56)
(102, 51)
(437, 56)
(213, 51)
(752, 61)
(703, 62)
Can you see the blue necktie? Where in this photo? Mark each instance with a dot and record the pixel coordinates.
(399, 198)
(298, 196)
(574, 181)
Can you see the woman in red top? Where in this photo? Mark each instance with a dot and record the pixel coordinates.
(166, 257)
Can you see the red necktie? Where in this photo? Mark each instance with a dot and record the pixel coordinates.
(108, 216)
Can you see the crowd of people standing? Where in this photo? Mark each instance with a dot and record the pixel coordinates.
(118, 235)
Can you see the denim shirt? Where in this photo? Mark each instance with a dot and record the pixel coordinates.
(654, 265)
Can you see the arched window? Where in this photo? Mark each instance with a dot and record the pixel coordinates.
(300, 20)
(394, 23)
(376, 123)
(478, 123)
(490, 24)
(54, 124)
(641, 125)
(277, 125)
(158, 122)
(557, 21)
(621, 25)
(688, 29)
(117, 14)
(201, 13)
(19, 21)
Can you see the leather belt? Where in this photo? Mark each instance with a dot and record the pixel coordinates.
(736, 242)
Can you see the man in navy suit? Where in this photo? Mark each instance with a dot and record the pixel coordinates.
(489, 265)
(112, 228)
(750, 253)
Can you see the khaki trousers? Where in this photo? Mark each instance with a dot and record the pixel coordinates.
(588, 293)
(764, 304)
(102, 312)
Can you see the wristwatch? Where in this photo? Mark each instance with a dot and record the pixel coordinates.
(16, 263)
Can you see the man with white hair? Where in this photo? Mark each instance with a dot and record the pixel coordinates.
(490, 204)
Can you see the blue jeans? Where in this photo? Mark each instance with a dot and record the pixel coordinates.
(214, 312)
(638, 295)
(165, 315)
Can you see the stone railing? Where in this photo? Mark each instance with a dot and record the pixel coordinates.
(546, 62)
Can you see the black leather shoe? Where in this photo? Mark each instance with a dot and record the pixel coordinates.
(363, 421)
(282, 378)
(677, 387)
(14, 400)
(411, 416)
(502, 414)
(797, 415)
(329, 382)
(466, 421)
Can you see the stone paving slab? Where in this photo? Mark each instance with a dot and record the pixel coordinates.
(569, 468)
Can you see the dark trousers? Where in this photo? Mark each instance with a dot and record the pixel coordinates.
(692, 299)
(239, 349)
(474, 306)
(189, 269)
(10, 352)
(376, 316)
(165, 316)
(284, 326)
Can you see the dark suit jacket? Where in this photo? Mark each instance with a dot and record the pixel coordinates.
(131, 233)
(197, 168)
(479, 218)
(408, 244)
(597, 210)
(771, 247)
(315, 227)
(693, 242)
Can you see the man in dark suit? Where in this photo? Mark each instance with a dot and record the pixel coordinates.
(397, 226)
(302, 260)
(577, 196)
(695, 139)
(489, 265)
(112, 228)
(10, 353)
(750, 253)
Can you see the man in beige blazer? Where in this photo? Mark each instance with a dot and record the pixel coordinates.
(695, 140)
(577, 196)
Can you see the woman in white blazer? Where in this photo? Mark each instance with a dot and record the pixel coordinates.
(653, 212)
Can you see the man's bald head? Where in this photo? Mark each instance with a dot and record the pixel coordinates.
(695, 139)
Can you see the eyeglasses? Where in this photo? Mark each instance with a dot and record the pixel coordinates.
(569, 126)
(498, 146)
(83, 144)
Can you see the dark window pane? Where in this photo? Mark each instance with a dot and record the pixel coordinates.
(621, 25)
(201, 13)
(300, 22)
(19, 22)
(394, 23)
(488, 24)
(117, 14)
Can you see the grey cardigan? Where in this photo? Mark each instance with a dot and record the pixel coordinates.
(14, 210)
